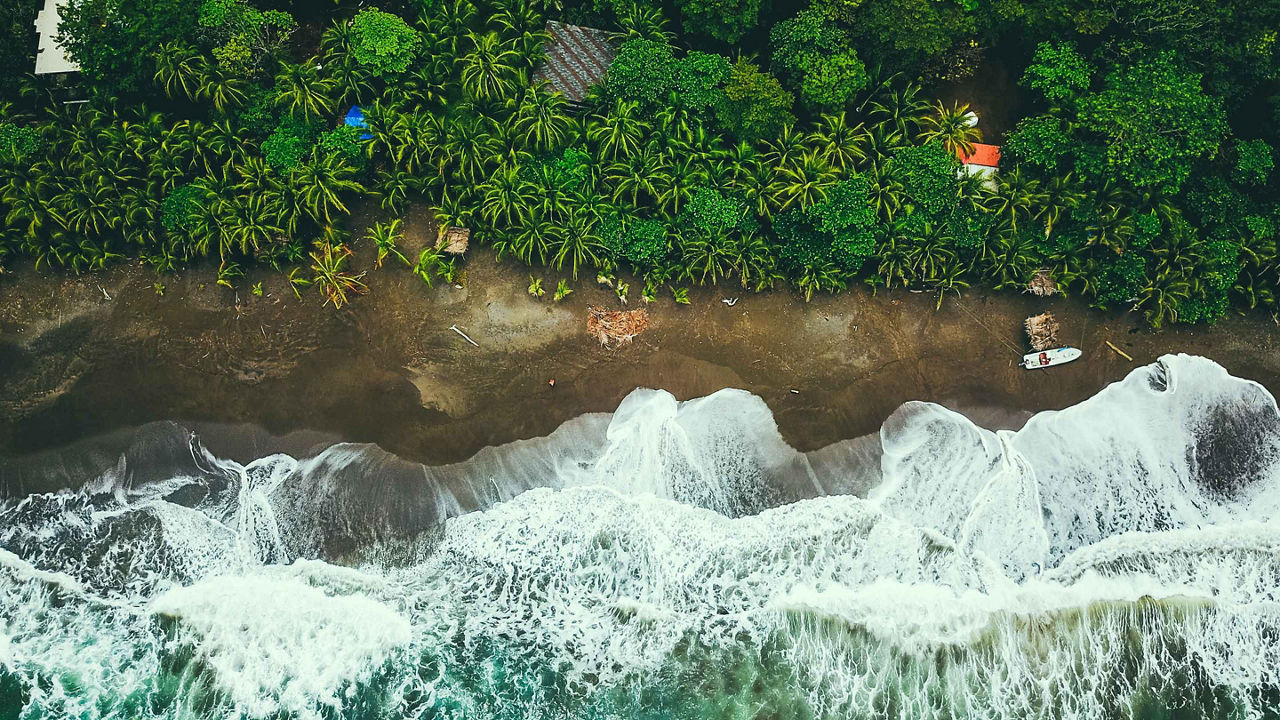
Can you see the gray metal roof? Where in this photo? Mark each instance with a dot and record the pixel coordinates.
(577, 58)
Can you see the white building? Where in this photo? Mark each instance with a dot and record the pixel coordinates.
(51, 58)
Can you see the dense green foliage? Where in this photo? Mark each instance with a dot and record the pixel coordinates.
(1142, 175)
(754, 105)
(382, 42)
(17, 44)
(726, 20)
(818, 56)
(243, 36)
(114, 40)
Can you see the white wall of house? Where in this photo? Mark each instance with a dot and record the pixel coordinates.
(50, 57)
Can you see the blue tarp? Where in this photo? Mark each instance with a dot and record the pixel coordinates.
(355, 118)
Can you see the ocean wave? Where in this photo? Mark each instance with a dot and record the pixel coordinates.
(1113, 559)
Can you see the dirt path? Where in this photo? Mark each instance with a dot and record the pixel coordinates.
(82, 357)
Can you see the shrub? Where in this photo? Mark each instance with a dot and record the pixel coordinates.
(1040, 140)
(344, 140)
(243, 34)
(1058, 71)
(726, 20)
(644, 71)
(641, 242)
(289, 144)
(816, 54)
(177, 212)
(1254, 162)
(700, 78)
(18, 142)
(383, 43)
(754, 105)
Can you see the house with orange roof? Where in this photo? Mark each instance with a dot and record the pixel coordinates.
(983, 161)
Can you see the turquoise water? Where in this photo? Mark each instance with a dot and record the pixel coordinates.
(1114, 560)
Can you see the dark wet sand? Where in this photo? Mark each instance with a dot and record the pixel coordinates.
(259, 374)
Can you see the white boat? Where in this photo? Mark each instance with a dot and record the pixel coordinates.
(1049, 358)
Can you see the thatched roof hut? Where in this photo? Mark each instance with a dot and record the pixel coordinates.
(1042, 284)
(1042, 331)
(455, 240)
(616, 327)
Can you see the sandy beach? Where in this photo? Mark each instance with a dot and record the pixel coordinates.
(86, 359)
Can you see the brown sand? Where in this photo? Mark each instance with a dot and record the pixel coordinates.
(387, 369)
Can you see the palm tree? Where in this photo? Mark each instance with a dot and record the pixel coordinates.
(225, 91)
(676, 183)
(637, 176)
(394, 188)
(531, 240)
(447, 25)
(882, 142)
(788, 146)
(248, 223)
(1012, 260)
(179, 70)
(707, 258)
(88, 207)
(805, 182)
(468, 147)
(303, 92)
(840, 144)
(641, 21)
(1016, 194)
(26, 192)
(675, 119)
(577, 242)
(617, 133)
(1163, 295)
(541, 117)
(386, 237)
(516, 19)
(507, 197)
(488, 71)
(1062, 194)
(901, 110)
(955, 127)
(328, 262)
(336, 41)
(759, 184)
(321, 184)
(510, 146)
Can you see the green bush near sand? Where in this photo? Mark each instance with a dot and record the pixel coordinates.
(1140, 173)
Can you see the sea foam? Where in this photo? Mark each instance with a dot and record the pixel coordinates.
(1117, 554)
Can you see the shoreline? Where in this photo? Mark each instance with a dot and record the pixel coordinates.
(85, 358)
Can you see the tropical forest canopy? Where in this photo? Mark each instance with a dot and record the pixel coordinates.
(732, 141)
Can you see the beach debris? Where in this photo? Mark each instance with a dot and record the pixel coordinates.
(454, 240)
(464, 335)
(552, 382)
(730, 302)
(616, 327)
(1042, 330)
(1119, 352)
(1042, 285)
(794, 391)
(104, 293)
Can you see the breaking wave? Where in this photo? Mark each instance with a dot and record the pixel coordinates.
(676, 560)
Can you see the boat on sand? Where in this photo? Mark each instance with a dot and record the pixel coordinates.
(1049, 358)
